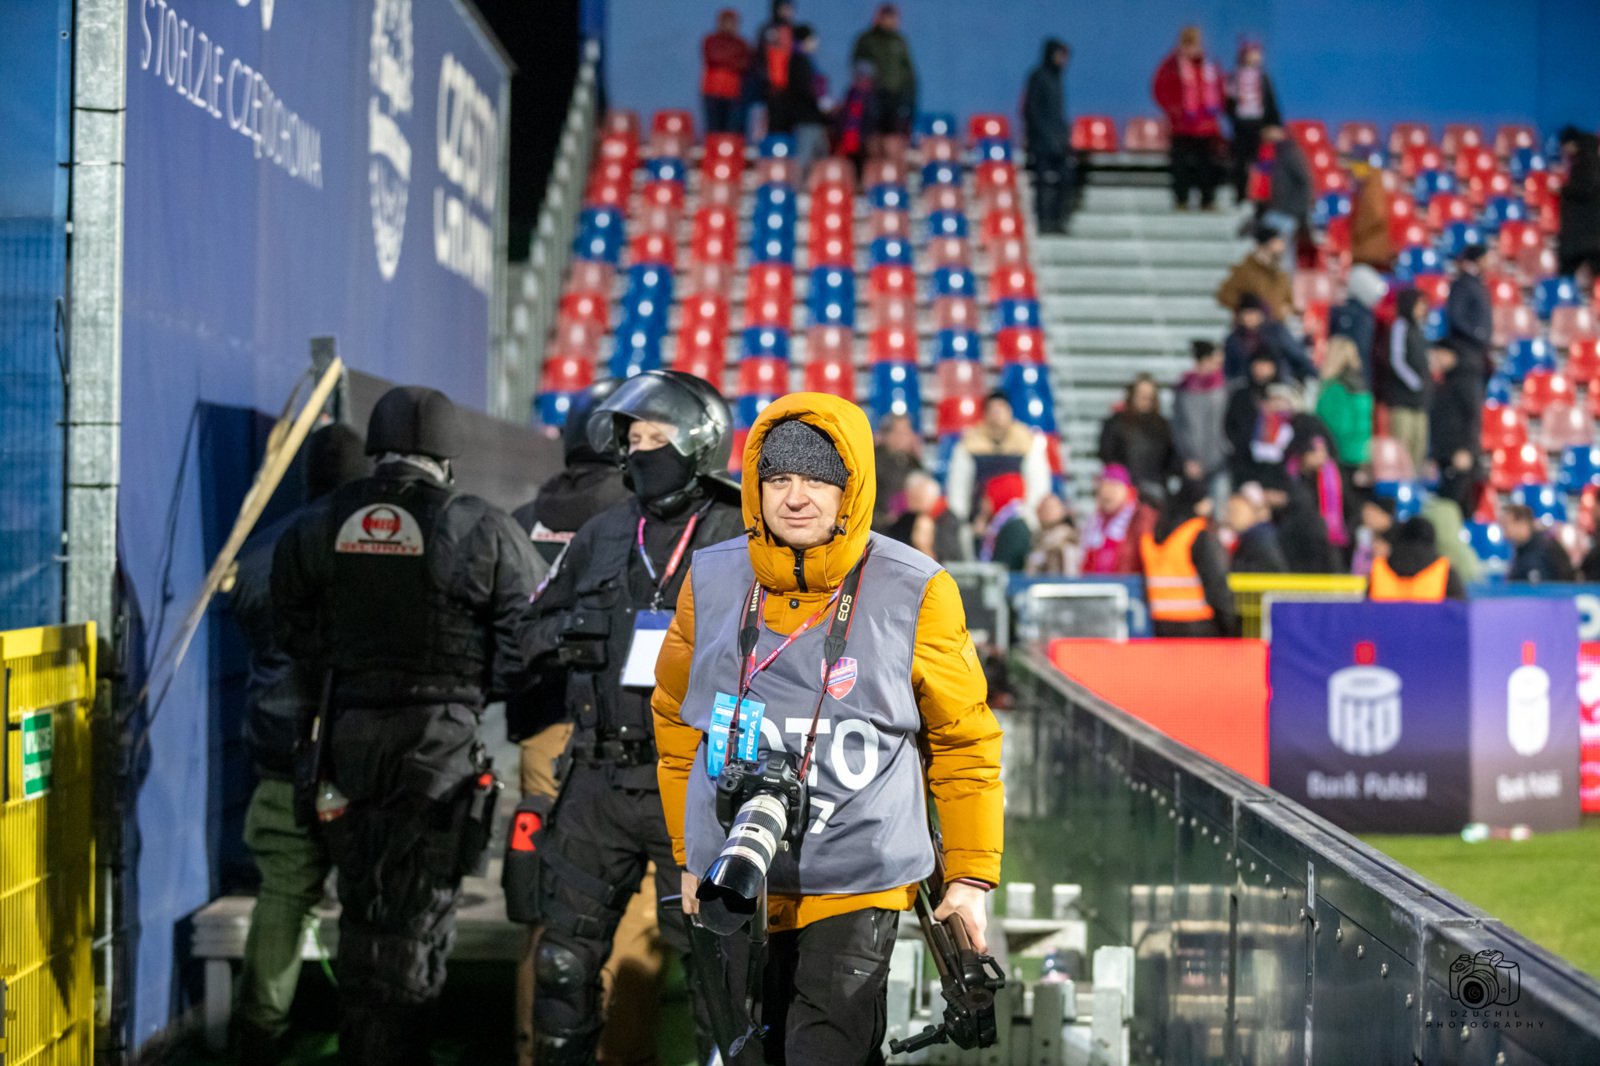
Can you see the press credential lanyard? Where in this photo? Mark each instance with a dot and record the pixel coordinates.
(673, 560)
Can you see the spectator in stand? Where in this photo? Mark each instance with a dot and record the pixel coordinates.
(1256, 549)
(1261, 273)
(1469, 314)
(1539, 557)
(727, 61)
(1315, 500)
(1002, 529)
(1356, 317)
(1139, 438)
(1049, 137)
(1259, 426)
(1409, 568)
(1455, 429)
(857, 117)
(797, 107)
(1344, 404)
(1252, 106)
(1450, 539)
(1188, 89)
(1408, 385)
(1578, 243)
(1111, 536)
(1055, 545)
(1186, 570)
(997, 445)
(883, 46)
(896, 453)
(774, 47)
(926, 523)
(1199, 406)
(1369, 219)
(1288, 206)
(1376, 527)
(1255, 331)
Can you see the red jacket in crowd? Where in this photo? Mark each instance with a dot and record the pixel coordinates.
(727, 57)
(1190, 92)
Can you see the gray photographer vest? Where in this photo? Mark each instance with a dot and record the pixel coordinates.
(868, 820)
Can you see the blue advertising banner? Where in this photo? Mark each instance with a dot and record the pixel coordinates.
(1585, 597)
(1422, 718)
(293, 170)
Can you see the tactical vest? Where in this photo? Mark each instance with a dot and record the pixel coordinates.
(595, 699)
(1428, 585)
(1171, 582)
(868, 824)
(393, 623)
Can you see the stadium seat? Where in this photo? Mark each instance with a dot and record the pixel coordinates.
(1583, 361)
(889, 251)
(892, 279)
(1525, 161)
(1459, 136)
(1431, 183)
(1435, 288)
(1027, 386)
(566, 373)
(1094, 133)
(1510, 467)
(961, 377)
(956, 413)
(1001, 226)
(1012, 283)
(1510, 138)
(1415, 262)
(1502, 209)
(769, 296)
(1499, 391)
(1390, 460)
(1444, 208)
(957, 344)
(1008, 313)
(1331, 180)
(1146, 135)
(1310, 133)
(892, 344)
(1512, 323)
(587, 306)
(620, 123)
(1503, 427)
(1020, 344)
(636, 348)
(1403, 135)
(1456, 237)
(1407, 497)
(709, 277)
(1526, 355)
(599, 234)
(889, 309)
(763, 341)
(1419, 160)
(1550, 293)
(654, 248)
(954, 281)
(652, 282)
(1541, 189)
(896, 390)
(1355, 138)
(1546, 502)
(1329, 207)
(953, 312)
(1570, 323)
(941, 172)
(995, 150)
(575, 337)
(887, 223)
(1565, 425)
(622, 152)
(989, 176)
(832, 170)
(889, 197)
(747, 408)
(776, 146)
(1008, 251)
(834, 250)
(1481, 188)
(949, 251)
(713, 236)
(1579, 469)
(729, 146)
(1475, 162)
(934, 124)
(1435, 327)
(947, 224)
(830, 343)
(764, 376)
(780, 170)
(837, 377)
(1488, 542)
(831, 300)
(988, 127)
(703, 352)
(1543, 388)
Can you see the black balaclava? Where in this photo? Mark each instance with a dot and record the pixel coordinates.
(659, 477)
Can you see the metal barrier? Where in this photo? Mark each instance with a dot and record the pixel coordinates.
(1262, 933)
(46, 848)
(1254, 594)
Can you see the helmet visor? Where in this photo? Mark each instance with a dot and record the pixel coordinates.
(681, 414)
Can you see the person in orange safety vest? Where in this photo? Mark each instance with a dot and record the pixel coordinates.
(1186, 570)
(1411, 569)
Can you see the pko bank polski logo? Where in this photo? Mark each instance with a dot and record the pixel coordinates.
(1528, 705)
(389, 153)
(1364, 705)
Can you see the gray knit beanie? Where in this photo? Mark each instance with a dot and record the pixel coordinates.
(796, 447)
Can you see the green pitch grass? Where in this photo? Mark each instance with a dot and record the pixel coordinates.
(1544, 888)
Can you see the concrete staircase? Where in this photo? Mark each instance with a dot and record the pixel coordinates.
(1125, 293)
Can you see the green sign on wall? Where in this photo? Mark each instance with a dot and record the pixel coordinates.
(38, 745)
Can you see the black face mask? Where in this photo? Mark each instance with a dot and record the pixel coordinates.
(658, 473)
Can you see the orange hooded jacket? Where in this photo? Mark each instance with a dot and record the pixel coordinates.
(960, 738)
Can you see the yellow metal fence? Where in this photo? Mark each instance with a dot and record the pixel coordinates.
(1254, 594)
(46, 847)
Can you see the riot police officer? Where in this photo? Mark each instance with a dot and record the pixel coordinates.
(407, 594)
(603, 616)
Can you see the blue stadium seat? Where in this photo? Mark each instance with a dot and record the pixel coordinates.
(777, 146)
(1525, 161)
(887, 251)
(941, 455)
(1416, 262)
(1435, 328)
(1407, 497)
(1580, 468)
(1375, 157)
(1458, 236)
(1329, 206)
(648, 280)
(888, 197)
(636, 350)
(1525, 355)
(1502, 209)
(1008, 313)
(747, 408)
(954, 281)
(772, 202)
(1430, 182)
(947, 224)
(666, 168)
(769, 244)
(1546, 502)
(994, 150)
(832, 298)
(764, 342)
(600, 235)
(1500, 390)
(1488, 542)
(1551, 293)
(896, 390)
(957, 344)
(941, 174)
(550, 408)
(935, 124)
(1027, 385)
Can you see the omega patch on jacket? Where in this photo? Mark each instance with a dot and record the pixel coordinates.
(380, 529)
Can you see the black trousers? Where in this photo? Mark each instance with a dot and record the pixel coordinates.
(399, 849)
(1194, 167)
(1052, 191)
(723, 114)
(824, 994)
(1246, 146)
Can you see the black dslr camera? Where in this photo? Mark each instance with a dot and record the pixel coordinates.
(762, 806)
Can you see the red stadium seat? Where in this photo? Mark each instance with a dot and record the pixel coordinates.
(1001, 226)
(992, 174)
(1390, 460)
(662, 194)
(892, 344)
(1481, 188)
(728, 147)
(1568, 324)
(830, 222)
(1565, 425)
(657, 218)
(1503, 290)
(654, 246)
(1094, 133)
(669, 145)
(607, 194)
(837, 249)
(707, 362)
(1355, 137)
(1460, 135)
(566, 373)
(886, 223)
(1446, 208)
(778, 171)
(949, 252)
(721, 171)
(884, 172)
(624, 124)
(836, 377)
(955, 312)
(591, 275)
(830, 343)
(1510, 467)
(714, 236)
(1475, 161)
(1012, 283)
(1508, 138)
(1514, 322)
(1008, 251)
(943, 198)
(763, 376)
(1019, 344)
(1434, 287)
(987, 127)
(769, 295)
(1312, 287)
(1331, 179)
(892, 280)
(833, 170)
(1541, 190)
(672, 121)
(1146, 135)
(576, 337)
(1520, 243)
(619, 151)
(720, 194)
(1315, 320)
(956, 413)
(1583, 361)
(832, 197)
(705, 310)
(1417, 158)
(1404, 135)
(1402, 214)
(585, 305)
(1336, 239)
(705, 276)
(1311, 133)
(962, 377)
(889, 309)
(1003, 200)
(1543, 389)
(1503, 427)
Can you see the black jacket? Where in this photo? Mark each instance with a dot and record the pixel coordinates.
(1291, 182)
(1580, 203)
(566, 502)
(581, 626)
(278, 693)
(1355, 320)
(1143, 444)
(1541, 559)
(1044, 112)
(1259, 552)
(1455, 415)
(479, 574)
(1304, 533)
(1469, 322)
(1241, 345)
(1409, 380)
(796, 104)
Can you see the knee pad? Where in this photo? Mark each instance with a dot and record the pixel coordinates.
(566, 977)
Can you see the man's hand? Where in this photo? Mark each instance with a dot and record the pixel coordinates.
(689, 884)
(967, 903)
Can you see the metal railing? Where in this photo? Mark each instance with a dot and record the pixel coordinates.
(1262, 933)
(536, 285)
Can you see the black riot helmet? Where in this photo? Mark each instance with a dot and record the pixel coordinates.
(414, 420)
(690, 404)
(575, 446)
